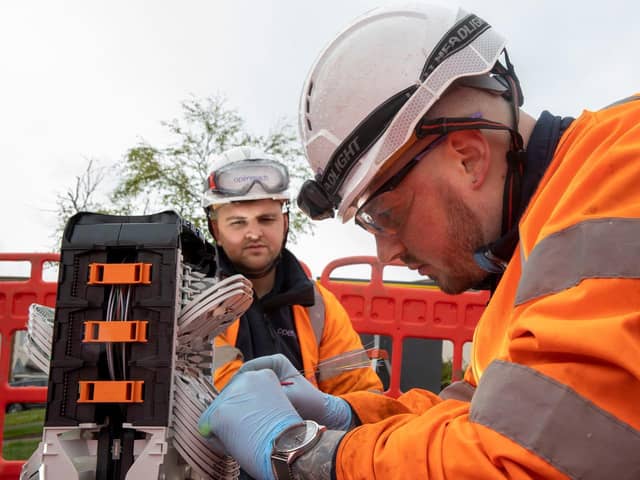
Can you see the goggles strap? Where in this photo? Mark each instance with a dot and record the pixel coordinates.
(508, 75)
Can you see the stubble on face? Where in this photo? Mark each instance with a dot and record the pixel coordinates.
(458, 271)
(257, 253)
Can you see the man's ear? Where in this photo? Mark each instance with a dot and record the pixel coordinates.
(286, 222)
(472, 152)
(213, 228)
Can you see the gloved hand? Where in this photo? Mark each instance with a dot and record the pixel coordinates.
(246, 418)
(311, 403)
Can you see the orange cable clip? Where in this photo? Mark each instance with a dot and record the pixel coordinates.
(119, 273)
(118, 331)
(111, 391)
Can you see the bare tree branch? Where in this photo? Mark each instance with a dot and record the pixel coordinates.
(171, 176)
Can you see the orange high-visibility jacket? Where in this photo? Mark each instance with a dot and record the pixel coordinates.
(556, 354)
(337, 337)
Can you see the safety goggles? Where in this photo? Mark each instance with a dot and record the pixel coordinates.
(385, 212)
(239, 178)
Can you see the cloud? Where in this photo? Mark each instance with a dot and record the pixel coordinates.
(85, 79)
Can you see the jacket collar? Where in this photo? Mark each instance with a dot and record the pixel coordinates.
(291, 285)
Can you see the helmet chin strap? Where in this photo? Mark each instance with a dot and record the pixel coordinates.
(494, 257)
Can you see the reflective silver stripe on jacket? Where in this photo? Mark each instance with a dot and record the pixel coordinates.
(227, 353)
(338, 364)
(316, 314)
(553, 421)
(460, 390)
(623, 101)
(599, 248)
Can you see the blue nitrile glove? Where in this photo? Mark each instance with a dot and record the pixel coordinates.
(311, 403)
(246, 418)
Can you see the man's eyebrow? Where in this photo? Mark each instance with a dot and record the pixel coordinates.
(244, 217)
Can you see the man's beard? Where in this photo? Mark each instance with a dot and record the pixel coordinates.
(464, 237)
(253, 272)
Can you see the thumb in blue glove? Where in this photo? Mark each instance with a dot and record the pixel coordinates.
(311, 403)
(246, 418)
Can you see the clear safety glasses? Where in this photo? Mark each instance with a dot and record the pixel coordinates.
(239, 178)
(386, 211)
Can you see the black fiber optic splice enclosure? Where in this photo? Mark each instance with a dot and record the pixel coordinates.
(157, 239)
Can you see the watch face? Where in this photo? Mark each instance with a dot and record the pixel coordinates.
(296, 436)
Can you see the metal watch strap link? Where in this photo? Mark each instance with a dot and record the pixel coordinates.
(281, 468)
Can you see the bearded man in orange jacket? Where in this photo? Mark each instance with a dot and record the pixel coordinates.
(411, 121)
(246, 200)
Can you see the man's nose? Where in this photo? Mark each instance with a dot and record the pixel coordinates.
(254, 231)
(389, 248)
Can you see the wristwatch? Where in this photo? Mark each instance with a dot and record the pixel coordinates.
(290, 444)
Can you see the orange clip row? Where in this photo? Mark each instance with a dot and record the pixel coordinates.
(119, 273)
(111, 391)
(118, 331)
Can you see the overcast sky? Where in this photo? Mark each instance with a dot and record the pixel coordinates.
(88, 79)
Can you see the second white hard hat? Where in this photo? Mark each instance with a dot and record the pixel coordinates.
(243, 174)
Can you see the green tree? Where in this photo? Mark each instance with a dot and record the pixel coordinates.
(152, 178)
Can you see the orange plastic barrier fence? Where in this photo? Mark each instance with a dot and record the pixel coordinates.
(15, 298)
(402, 311)
(397, 311)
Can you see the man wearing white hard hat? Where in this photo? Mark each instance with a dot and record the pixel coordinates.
(246, 201)
(411, 121)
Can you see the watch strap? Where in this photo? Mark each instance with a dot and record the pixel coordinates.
(281, 468)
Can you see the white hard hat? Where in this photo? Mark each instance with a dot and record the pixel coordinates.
(242, 174)
(371, 86)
